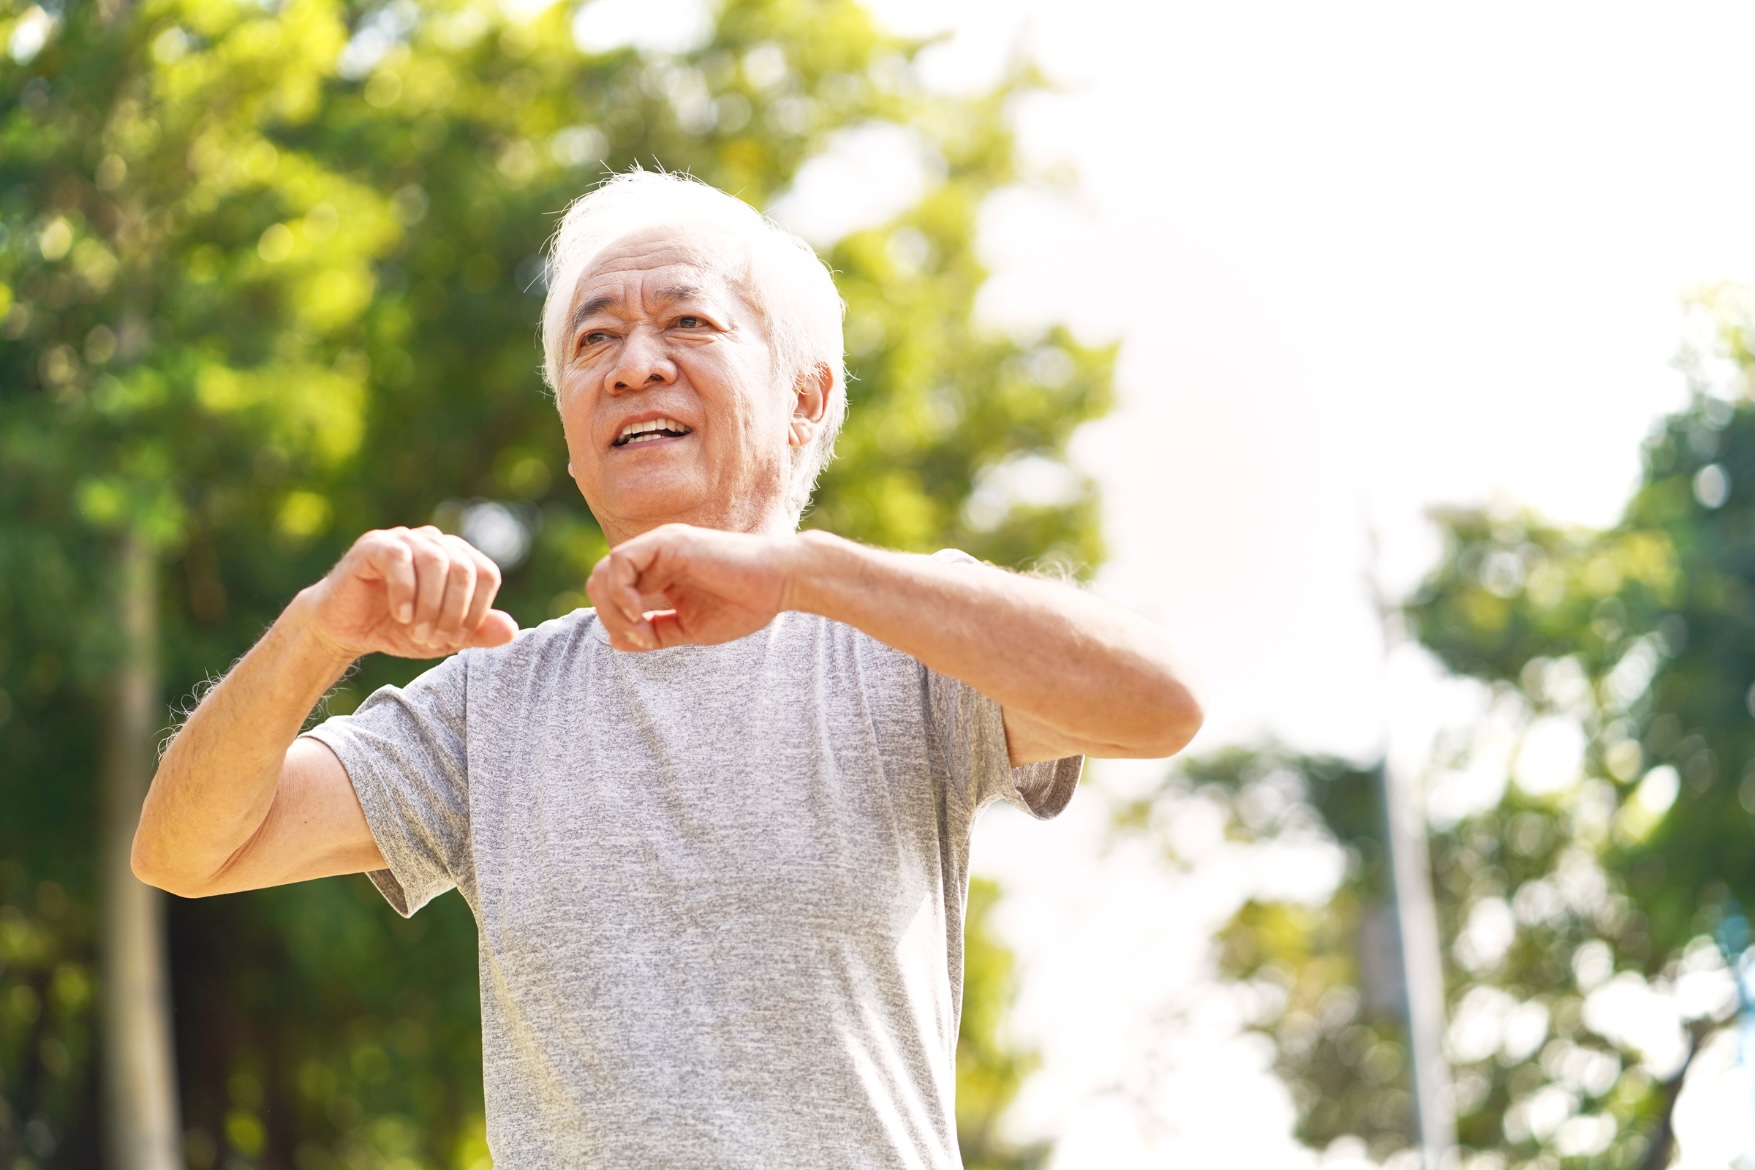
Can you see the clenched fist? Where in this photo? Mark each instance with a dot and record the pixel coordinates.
(679, 585)
(411, 592)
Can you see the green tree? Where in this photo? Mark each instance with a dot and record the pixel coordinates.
(1611, 868)
(164, 327)
(269, 277)
(1316, 975)
(1635, 642)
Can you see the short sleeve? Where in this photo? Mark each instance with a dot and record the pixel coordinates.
(405, 751)
(971, 727)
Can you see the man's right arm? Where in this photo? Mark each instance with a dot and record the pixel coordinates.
(239, 801)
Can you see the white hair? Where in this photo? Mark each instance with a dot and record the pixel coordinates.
(790, 284)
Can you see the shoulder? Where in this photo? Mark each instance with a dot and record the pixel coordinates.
(567, 638)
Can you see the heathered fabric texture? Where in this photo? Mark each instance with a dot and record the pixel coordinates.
(719, 889)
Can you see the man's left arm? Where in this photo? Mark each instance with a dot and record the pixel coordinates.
(1073, 674)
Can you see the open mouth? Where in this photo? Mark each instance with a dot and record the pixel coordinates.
(650, 431)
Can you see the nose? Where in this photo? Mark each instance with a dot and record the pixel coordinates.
(642, 362)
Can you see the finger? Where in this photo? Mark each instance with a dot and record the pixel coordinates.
(597, 590)
(496, 629)
(611, 608)
(666, 629)
(624, 593)
(624, 581)
(459, 592)
(385, 556)
(431, 567)
(487, 585)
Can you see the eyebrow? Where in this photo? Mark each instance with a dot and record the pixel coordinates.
(668, 294)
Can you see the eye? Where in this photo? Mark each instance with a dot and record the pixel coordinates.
(690, 321)
(592, 337)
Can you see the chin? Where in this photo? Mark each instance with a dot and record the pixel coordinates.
(650, 505)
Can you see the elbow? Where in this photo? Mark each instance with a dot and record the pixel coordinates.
(170, 882)
(150, 868)
(147, 867)
(1152, 722)
(152, 857)
(146, 855)
(140, 855)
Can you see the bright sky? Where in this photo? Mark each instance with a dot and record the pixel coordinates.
(1363, 259)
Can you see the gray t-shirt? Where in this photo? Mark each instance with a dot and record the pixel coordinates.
(719, 889)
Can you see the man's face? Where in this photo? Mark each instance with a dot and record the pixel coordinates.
(669, 395)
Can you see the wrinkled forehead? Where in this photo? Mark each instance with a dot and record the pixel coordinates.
(713, 259)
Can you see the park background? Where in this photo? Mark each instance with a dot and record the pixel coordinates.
(1398, 362)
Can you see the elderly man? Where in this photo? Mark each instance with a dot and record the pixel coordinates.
(714, 830)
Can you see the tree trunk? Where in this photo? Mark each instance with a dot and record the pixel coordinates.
(141, 1126)
(1422, 964)
(1419, 948)
(1663, 1134)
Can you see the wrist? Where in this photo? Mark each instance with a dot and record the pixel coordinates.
(309, 641)
(809, 562)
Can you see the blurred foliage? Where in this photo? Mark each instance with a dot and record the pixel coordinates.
(1600, 882)
(47, 979)
(269, 277)
(989, 1068)
(1627, 876)
(1315, 973)
(1326, 984)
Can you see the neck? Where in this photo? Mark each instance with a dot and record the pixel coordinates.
(770, 521)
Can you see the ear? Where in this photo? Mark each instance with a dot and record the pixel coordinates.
(810, 406)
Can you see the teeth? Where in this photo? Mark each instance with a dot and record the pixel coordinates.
(645, 431)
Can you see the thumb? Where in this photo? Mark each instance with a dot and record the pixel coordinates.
(497, 628)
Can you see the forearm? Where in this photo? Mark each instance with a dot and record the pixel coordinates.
(217, 779)
(1042, 650)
